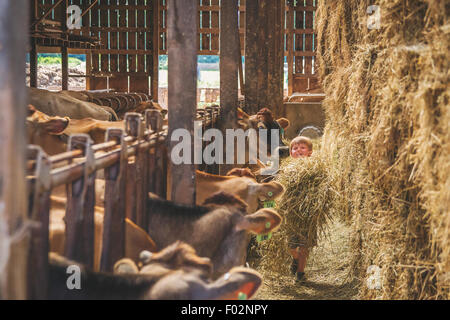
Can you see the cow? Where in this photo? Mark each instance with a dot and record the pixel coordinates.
(219, 229)
(151, 285)
(136, 239)
(64, 105)
(245, 187)
(246, 121)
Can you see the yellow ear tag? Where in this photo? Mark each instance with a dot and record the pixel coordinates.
(242, 296)
(269, 204)
(263, 237)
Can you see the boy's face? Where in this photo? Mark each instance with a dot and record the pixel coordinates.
(300, 150)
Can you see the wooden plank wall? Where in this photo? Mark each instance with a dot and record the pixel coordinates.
(304, 33)
(125, 28)
(126, 55)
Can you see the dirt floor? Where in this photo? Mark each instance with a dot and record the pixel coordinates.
(326, 272)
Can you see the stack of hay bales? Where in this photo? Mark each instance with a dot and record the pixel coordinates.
(388, 115)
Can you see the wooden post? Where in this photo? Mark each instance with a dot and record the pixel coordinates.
(251, 56)
(133, 127)
(290, 47)
(39, 208)
(13, 196)
(33, 65)
(275, 79)
(229, 68)
(64, 50)
(113, 247)
(182, 49)
(263, 44)
(155, 51)
(308, 41)
(33, 51)
(80, 206)
(271, 55)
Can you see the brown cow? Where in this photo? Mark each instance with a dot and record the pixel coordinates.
(218, 230)
(64, 105)
(151, 285)
(136, 239)
(247, 121)
(245, 187)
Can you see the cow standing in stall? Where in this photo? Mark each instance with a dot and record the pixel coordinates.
(219, 229)
(175, 273)
(136, 239)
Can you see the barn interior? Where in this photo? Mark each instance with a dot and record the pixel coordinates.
(373, 98)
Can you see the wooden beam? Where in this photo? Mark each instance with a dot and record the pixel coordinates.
(251, 56)
(14, 232)
(64, 52)
(229, 68)
(182, 47)
(263, 42)
(155, 51)
(33, 65)
(240, 63)
(275, 57)
(290, 48)
(65, 68)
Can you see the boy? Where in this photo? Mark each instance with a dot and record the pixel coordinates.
(299, 147)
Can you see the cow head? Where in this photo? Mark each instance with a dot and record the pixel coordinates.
(284, 123)
(260, 192)
(48, 133)
(263, 221)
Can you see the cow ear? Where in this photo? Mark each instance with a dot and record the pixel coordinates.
(262, 221)
(125, 266)
(56, 126)
(284, 123)
(239, 284)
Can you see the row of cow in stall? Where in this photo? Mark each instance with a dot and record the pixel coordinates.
(186, 252)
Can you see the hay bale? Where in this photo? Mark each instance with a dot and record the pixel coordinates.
(305, 206)
(387, 98)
